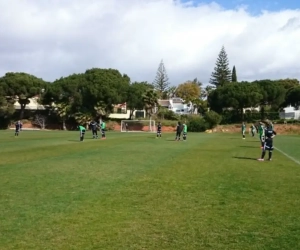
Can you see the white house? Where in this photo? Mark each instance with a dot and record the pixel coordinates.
(120, 111)
(33, 104)
(177, 105)
(289, 113)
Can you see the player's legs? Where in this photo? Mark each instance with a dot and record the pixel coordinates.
(17, 132)
(103, 133)
(270, 148)
(95, 134)
(263, 153)
(261, 138)
(184, 136)
(82, 135)
(158, 134)
(178, 135)
(243, 133)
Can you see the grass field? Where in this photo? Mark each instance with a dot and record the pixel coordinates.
(133, 191)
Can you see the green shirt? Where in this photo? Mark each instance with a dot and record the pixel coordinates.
(81, 128)
(243, 127)
(261, 129)
(103, 125)
(184, 128)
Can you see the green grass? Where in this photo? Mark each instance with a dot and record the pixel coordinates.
(133, 191)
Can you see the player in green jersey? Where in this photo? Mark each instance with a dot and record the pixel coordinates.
(82, 132)
(103, 128)
(261, 133)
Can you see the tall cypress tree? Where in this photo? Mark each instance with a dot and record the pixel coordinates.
(233, 76)
(221, 74)
(161, 81)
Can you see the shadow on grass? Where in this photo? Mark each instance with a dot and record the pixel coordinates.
(245, 158)
(249, 147)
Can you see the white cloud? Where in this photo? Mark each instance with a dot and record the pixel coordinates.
(57, 38)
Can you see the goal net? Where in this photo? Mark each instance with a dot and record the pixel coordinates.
(138, 126)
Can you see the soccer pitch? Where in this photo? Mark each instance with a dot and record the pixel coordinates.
(133, 191)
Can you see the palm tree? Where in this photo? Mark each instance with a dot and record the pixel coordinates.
(150, 99)
(63, 111)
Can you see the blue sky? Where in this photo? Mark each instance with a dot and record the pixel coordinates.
(254, 6)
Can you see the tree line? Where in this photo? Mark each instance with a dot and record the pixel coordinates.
(92, 94)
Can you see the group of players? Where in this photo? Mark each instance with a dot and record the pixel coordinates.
(266, 132)
(181, 129)
(94, 127)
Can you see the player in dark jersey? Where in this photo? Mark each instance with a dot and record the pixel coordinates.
(94, 127)
(269, 134)
(158, 134)
(178, 131)
(18, 126)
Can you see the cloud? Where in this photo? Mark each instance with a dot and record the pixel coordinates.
(56, 38)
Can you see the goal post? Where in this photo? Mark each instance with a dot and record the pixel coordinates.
(138, 126)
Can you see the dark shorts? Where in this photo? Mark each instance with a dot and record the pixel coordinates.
(159, 131)
(268, 146)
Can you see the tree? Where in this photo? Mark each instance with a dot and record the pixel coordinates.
(212, 118)
(161, 81)
(188, 91)
(135, 95)
(273, 94)
(221, 74)
(63, 112)
(150, 99)
(293, 97)
(6, 105)
(88, 96)
(22, 86)
(107, 86)
(171, 92)
(40, 120)
(237, 96)
(233, 76)
(289, 83)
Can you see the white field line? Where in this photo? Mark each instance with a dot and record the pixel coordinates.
(290, 157)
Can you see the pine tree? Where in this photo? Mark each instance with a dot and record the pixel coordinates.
(161, 81)
(222, 73)
(233, 76)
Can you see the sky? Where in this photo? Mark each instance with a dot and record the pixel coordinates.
(53, 38)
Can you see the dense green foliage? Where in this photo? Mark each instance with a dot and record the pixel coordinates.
(81, 97)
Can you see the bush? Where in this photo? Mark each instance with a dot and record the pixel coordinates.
(212, 118)
(197, 124)
(170, 115)
(168, 123)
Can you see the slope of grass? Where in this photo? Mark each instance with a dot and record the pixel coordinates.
(133, 191)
